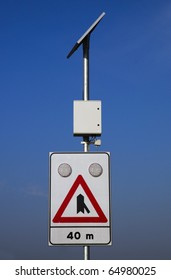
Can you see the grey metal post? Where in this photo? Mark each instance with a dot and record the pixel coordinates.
(85, 98)
(86, 68)
(85, 39)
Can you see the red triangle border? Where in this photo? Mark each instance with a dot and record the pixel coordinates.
(58, 216)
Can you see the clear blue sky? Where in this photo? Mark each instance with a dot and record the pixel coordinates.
(130, 68)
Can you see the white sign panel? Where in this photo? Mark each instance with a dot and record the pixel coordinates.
(79, 199)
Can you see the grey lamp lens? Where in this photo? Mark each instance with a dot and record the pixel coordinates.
(64, 170)
(95, 169)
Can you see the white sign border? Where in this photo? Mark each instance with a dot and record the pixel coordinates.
(73, 227)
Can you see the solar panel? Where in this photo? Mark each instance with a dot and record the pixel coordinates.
(87, 33)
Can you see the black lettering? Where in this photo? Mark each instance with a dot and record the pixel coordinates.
(17, 272)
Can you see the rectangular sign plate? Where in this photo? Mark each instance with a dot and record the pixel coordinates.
(79, 199)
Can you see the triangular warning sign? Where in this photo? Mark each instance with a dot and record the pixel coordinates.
(101, 218)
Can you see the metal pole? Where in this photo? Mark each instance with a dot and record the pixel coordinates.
(86, 68)
(86, 248)
(85, 98)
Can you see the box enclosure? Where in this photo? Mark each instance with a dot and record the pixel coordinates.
(87, 118)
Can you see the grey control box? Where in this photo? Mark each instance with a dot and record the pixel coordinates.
(87, 118)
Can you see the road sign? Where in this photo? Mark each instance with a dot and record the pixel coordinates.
(79, 199)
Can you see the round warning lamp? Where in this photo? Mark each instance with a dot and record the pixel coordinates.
(95, 169)
(64, 170)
